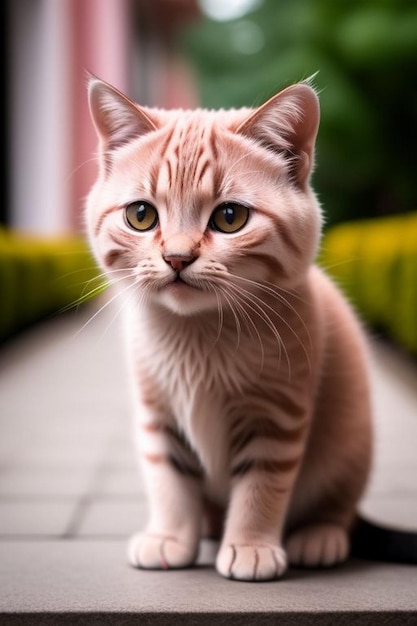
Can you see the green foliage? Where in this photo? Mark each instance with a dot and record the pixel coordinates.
(375, 263)
(365, 53)
(39, 277)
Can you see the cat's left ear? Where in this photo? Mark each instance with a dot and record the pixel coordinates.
(288, 123)
(116, 118)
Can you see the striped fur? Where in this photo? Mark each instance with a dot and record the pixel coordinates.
(249, 374)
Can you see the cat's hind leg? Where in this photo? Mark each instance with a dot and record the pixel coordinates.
(318, 545)
(325, 500)
(337, 459)
(338, 456)
(327, 492)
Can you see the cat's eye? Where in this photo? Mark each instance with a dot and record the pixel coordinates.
(229, 217)
(141, 215)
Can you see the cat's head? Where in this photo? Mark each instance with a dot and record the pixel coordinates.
(199, 205)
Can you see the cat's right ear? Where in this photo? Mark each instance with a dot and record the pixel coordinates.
(287, 123)
(116, 118)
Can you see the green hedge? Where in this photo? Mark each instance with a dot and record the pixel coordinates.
(375, 263)
(40, 276)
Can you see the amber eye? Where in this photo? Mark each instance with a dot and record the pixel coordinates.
(141, 215)
(229, 217)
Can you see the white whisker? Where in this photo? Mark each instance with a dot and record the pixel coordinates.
(219, 312)
(94, 291)
(120, 309)
(84, 298)
(103, 307)
(250, 324)
(230, 303)
(258, 310)
(284, 301)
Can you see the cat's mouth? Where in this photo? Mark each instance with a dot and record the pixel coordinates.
(187, 295)
(179, 283)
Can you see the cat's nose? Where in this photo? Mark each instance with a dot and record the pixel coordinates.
(179, 261)
(179, 250)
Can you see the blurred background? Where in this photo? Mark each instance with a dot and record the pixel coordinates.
(219, 53)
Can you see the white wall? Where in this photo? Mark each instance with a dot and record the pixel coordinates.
(40, 114)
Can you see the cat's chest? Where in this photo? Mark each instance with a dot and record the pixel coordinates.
(191, 363)
(192, 366)
(187, 387)
(198, 379)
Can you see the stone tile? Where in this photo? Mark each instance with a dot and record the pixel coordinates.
(121, 456)
(399, 511)
(394, 382)
(395, 479)
(116, 517)
(46, 482)
(35, 517)
(120, 482)
(65, 456)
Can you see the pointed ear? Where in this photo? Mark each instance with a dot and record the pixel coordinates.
(288, 123)
(117, 119)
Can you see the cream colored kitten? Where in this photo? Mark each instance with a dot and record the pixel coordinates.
(249, 369)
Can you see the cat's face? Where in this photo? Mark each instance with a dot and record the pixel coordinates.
(200, 207)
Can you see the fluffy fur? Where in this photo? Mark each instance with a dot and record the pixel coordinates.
(248, 367)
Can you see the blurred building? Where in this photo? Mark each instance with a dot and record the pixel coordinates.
(51, 46)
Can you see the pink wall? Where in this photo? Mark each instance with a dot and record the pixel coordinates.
(100, 44)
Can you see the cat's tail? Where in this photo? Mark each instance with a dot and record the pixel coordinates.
(377, 542)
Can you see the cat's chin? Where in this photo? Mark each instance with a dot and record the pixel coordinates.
(183, 299)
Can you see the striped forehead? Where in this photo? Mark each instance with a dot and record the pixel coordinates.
(183, 171)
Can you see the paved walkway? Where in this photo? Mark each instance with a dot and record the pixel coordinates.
(70, 496)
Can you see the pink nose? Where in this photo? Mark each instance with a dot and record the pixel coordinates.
(179, 261)
(179, 250)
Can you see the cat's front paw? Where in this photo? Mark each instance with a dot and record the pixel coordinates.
(251, 562)
(153, 551)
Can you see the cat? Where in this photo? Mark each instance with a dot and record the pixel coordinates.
(249, 369)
